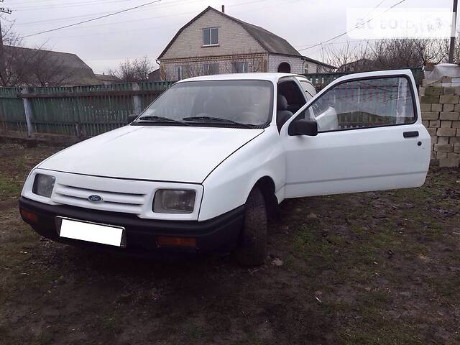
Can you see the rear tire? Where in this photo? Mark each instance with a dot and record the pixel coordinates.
(253, 248)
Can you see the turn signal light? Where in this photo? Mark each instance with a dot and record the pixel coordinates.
(166, 241)
(30, 216)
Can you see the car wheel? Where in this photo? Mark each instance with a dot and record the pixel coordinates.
(253, 247)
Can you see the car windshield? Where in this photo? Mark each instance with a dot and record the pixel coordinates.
(240, 103)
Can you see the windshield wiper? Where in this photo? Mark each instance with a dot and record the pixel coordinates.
(159, 119)
(210, 119)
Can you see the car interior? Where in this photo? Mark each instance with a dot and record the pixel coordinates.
(289, 100)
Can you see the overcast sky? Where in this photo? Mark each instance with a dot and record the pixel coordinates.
(105, 43)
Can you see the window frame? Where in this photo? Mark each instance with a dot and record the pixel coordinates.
(414, 105)
(180, 72)
(210, 36)
(205, 71)
(245, 65)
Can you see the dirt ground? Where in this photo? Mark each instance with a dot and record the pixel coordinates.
(372, 268)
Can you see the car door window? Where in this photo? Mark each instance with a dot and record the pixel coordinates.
(308, 88)
(364, 103)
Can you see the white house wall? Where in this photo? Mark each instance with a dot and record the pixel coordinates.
(233, 39)
(296, 63)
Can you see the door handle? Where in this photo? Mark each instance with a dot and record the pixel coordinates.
(413, 134)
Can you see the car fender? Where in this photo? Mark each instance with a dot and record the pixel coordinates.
(229, 184)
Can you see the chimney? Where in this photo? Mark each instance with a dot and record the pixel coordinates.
(223, 8)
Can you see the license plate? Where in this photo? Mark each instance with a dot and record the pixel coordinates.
(91, 232)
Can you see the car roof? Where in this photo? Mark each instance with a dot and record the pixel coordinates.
(273, 77)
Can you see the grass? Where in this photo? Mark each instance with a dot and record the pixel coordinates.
(9, 188)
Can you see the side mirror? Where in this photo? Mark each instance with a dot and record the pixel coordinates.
(132, 117)
(303, 127)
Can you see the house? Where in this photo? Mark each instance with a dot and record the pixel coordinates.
(107, 79)
(214, 43)
(39, 67)
(155, 75)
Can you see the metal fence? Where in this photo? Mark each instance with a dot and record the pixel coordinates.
(81, 111)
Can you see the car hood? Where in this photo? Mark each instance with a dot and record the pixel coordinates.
(159, 153)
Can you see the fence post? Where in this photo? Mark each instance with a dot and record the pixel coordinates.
(28, 111)
(137, 99)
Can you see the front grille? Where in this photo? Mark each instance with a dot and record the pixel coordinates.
(114, 201)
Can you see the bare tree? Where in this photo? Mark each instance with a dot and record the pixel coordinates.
(387, 54)
(31, 67)
(133, 70)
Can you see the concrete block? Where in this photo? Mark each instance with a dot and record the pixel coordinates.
(444, 148)
(426, 123)
(433, 91)
(434, 123)
(443, 141)
(457, 148)
(455, 124)
(432, 132)
(443, 99)
(452, 116)
(430, 115)
(441, 155)
(427, 107)
(430, 99)
(448, 107)
(446, 132)
(449, 162)
(438, 107)
(446, 124)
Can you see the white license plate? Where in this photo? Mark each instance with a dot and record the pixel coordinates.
(91, 232)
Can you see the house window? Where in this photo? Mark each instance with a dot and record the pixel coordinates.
(240, 67)
(210, 37)
(210, 68)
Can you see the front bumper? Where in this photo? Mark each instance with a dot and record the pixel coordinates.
(218, 234)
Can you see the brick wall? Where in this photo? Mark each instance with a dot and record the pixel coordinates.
(441, 116)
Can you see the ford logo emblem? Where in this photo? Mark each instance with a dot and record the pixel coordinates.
(95, 198)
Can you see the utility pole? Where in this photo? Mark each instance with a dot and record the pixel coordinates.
(2, 55)
(453, 32)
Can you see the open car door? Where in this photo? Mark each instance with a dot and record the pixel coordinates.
(369, 137)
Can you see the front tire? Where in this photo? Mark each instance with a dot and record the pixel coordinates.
(253, 248)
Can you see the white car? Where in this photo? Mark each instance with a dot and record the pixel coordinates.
(205, 165)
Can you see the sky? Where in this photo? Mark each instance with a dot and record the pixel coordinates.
(144, 32)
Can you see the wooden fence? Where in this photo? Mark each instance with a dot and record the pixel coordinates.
(81, 111)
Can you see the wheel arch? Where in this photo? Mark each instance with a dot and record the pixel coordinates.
(267, 187)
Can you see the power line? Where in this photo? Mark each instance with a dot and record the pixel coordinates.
(38, 22)
(94, 19)
(149, 18)
(71, 4)
(356, 27)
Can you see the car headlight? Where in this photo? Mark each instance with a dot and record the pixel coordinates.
(43, 185)
(174, 201)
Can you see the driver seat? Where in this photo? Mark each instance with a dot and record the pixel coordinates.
(282, 114)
